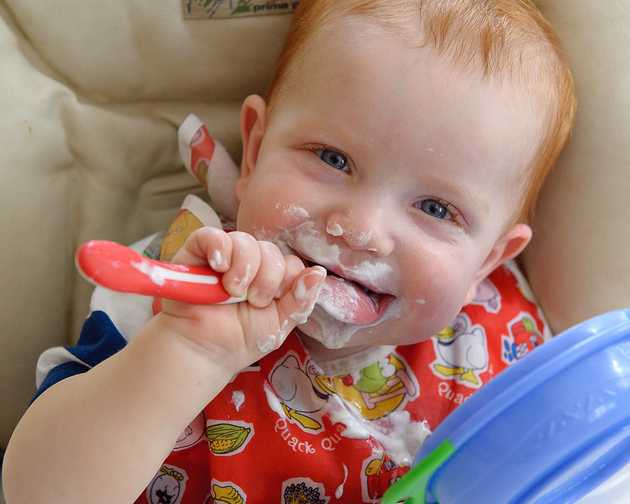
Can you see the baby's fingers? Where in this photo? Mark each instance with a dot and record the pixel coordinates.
(244, 263)
(295, 306)
(293, 266)
(266, 284)
(206, 245)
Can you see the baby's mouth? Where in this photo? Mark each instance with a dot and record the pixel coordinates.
(348, 300)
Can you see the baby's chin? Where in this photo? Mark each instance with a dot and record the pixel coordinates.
(335, 334)
(332, 334)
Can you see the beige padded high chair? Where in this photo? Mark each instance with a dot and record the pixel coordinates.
(91, 94)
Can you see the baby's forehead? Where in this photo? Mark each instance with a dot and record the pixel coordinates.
(363, 67)
(359, 40)
(507, 53)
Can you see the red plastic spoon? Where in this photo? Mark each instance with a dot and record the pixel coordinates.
(122, 269)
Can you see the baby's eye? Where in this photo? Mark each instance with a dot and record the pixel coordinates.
(435, 208)
(334, 159)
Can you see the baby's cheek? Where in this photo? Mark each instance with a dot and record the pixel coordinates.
(427, 285)
(259, 222)
(289, 215)
(435, 296)
(419, 324)
(433, 277)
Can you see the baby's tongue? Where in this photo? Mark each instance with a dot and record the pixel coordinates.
(347, 302)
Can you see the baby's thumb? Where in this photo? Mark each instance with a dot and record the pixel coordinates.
(302, 297)
(296, 305)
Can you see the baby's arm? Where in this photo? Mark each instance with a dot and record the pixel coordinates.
(102, 435)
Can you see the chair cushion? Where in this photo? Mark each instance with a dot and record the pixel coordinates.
(578, 262)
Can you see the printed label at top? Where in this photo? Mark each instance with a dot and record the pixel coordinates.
(215, 9)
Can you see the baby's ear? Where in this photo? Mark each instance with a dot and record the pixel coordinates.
(507, 247)
(253, 117)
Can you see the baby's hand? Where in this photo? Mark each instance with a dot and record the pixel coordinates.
(280, 292)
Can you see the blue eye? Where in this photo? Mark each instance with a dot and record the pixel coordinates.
(334, 159)
(434, 208)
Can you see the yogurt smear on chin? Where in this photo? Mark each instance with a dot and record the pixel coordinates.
(333, 333)
(342, 308)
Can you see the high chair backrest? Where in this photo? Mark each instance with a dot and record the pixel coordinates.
(91, 95)
(578, 263)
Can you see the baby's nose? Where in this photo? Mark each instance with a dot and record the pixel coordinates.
(360, 232)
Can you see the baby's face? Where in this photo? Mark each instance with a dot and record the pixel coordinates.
(395, 171)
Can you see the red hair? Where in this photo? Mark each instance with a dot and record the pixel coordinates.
(502, 38)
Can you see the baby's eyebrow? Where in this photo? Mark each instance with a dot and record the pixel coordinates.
(336, 136)
(335, 133)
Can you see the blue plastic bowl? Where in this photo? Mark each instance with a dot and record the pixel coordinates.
(549, 429)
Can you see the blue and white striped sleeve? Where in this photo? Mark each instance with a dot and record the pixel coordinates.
(99, 340)
(114, 319)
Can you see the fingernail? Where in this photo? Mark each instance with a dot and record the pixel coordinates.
(239, 285)
(248, 273)
(308, 285)
(216, 261)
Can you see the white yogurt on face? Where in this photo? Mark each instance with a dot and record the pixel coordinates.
(309, 240)
(329, 313)
(333, 333)
(294, 211)
(363, 238)
(297, 211)
(376, 273)
(334, 229)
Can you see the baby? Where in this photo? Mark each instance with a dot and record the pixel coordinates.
(389, 172)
